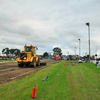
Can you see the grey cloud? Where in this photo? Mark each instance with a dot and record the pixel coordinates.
(49, 22)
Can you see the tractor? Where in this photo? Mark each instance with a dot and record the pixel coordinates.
(28, 57)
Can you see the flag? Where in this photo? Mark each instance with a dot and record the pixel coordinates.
(86, 54)
(4, 51)
(15, 51)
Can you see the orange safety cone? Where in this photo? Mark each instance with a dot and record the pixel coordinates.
(34, 90)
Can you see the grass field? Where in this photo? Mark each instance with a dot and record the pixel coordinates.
(7, 60)
(74, 81)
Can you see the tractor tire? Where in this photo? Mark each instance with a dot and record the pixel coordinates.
(34, 62)
(38, 63)
(21, 65)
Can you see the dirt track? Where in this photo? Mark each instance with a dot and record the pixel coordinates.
(10, 71)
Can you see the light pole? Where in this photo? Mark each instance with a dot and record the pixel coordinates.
(88, 24)
(79, 49)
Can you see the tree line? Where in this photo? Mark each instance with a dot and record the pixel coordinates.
(8, 51)
(56, 51)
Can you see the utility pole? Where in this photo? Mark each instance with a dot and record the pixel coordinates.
(88, 24)
(79, 49)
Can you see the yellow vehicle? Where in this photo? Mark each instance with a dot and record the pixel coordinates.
(28, 57)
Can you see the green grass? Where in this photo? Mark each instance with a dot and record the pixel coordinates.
(7, 60)
(73, 81)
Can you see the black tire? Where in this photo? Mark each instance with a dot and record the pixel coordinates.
(38, 63)
(20, 65)
(34, 62)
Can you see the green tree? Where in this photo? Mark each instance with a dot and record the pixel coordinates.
(70, 56)
(5, 51)
(10, 51)
(57, 51)
(17, 52)
(45, 54)
(14, 51)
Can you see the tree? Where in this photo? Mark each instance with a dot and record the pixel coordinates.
(5, 51)
(11, 51)
(14, 51)
(45, 54)
(70, 56)
(57, 51)
(17, 52)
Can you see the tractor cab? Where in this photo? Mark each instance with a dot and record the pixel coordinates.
(30, 48)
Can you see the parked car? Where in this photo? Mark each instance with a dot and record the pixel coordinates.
(79, 61)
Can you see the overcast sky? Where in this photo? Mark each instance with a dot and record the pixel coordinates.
(50, 23)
